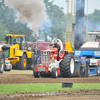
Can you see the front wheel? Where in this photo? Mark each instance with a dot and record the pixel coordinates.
(22, 64)
(35, 74)
(54, 73)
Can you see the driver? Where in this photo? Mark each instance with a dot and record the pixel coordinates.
(56, 45)
(97, 38)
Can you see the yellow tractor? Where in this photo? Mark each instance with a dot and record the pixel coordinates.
(17, 52)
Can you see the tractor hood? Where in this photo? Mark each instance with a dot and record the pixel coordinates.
(53, 50)
(90, 46)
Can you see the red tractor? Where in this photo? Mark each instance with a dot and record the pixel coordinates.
(54, 61)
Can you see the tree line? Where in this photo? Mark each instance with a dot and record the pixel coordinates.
(55, 25)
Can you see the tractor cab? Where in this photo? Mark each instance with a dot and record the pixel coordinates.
(15, 39)
(93, 41)
(93, 36)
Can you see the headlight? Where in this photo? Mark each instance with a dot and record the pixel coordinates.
(50, 66)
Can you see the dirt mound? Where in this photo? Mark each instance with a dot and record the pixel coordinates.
(59, 95)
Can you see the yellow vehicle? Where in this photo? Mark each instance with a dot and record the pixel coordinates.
(17, 52)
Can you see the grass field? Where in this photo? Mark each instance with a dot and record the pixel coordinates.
(37, 87)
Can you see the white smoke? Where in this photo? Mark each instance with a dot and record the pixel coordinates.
(31, 12)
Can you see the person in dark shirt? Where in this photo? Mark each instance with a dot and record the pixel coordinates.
(97, 38)
(56, 45)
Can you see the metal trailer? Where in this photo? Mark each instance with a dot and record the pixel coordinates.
(87, 58)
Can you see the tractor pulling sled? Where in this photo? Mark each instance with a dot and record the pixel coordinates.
(87, 58)
(54, 61)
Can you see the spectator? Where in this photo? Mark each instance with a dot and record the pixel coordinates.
(97, 38)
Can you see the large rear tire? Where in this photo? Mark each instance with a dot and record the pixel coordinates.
(2, 62)
(67, 65)
(22, 64)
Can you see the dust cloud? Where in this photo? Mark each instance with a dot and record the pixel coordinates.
(31, 12)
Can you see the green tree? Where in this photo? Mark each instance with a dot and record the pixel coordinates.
(7, 17)
(54, 13)
(94, 20)
(2, 32)
(58, 19)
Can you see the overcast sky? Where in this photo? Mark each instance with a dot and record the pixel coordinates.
(92, 4)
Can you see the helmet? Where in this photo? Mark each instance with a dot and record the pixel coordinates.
(55, 43)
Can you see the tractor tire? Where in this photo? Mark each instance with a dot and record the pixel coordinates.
(14, 67)
(35, 74)
(87, 69)
(30, 64)
(67, 65)
(2, 62)
(8, 70)
(54, 73)
(22, 64)
(98, 71)
(34, 63)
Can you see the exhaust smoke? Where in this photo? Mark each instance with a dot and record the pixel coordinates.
(80, 27)
(31, 12)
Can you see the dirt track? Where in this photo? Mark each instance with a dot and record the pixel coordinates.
(18, 77)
